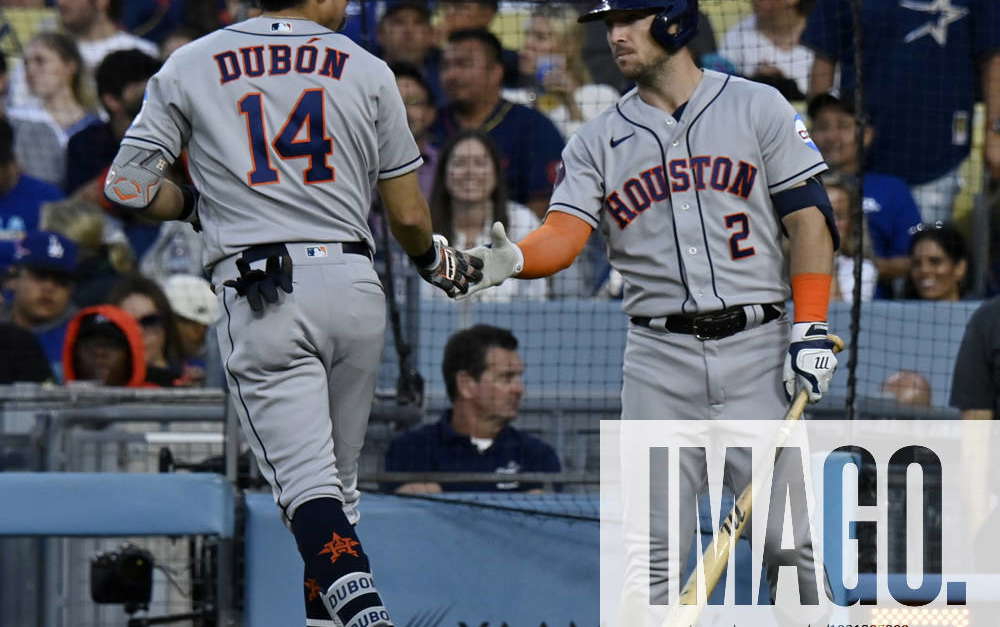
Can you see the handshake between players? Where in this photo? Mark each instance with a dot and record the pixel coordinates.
(461, 274)
(809, 363)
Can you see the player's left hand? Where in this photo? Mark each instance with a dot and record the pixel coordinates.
(810, 361)
(454, 271)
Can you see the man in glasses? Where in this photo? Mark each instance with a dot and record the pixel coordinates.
(44, 275)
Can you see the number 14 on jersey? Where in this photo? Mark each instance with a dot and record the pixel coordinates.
(308, 118)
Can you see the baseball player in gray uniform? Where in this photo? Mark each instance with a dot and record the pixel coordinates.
(695, 177)
(289, 126)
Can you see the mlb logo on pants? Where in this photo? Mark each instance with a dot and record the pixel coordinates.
(316, 251)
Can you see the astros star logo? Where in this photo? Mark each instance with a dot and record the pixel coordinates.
(338, 545)
(938, 29)
(313, 588)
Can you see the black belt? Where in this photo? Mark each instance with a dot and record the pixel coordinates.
(713, 325)
(356, 248)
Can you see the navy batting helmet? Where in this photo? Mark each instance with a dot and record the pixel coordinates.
(680, 13)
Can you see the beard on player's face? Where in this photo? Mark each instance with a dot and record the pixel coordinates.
(644, 73)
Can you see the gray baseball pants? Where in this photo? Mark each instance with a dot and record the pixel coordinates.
(302, 372)
(670, 376)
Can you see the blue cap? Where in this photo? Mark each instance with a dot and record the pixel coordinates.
(44, 250)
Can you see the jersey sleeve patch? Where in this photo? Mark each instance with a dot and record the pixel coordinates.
(803, 133)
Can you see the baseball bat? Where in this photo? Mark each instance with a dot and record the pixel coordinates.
(716, 557)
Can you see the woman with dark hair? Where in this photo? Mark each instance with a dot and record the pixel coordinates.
(143, 299)
(469, 195)
(939, 262)
(54, 72)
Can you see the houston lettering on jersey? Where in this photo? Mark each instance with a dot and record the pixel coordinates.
(720, 174)
(275, 60)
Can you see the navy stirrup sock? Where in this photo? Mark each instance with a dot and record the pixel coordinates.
(338, 582)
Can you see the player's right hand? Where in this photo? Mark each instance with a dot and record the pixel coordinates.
(454, 270)
(501, 260)
(810, 362)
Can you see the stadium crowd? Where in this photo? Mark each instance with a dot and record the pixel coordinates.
(93, 292)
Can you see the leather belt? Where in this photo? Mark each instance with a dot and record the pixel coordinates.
(714, 325)
(356, 248)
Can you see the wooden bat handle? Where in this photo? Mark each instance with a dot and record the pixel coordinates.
(716, 556)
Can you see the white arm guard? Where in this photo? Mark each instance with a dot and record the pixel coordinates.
(135, 177)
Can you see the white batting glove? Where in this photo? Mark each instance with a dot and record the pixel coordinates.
(810, 361)
(502, 259)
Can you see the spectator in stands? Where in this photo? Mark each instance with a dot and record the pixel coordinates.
(483, 376)
(844, 198)
(155, 20)
(178, 37)
(44, 276)
(104, 345)
(891, 214)
(938, 263)
(405, 35)
(143, 299)
(458, 15)
(554, 78)
(94, 26)
(104, 253)
(21, 356)
(975, 385)
(917, 49)
(21, 196)
(908, 388)
(469, 195)
(529, 144)
(765, 46)
(196, 309)
(121, 82)
(176, 250)
(420, 106)
(54, 71)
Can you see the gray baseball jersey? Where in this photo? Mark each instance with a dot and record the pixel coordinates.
(686, 205)
(288, 126)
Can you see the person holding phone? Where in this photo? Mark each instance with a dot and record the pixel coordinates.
(554, 78)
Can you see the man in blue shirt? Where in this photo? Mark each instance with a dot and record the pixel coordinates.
(121, 83)
(529, 143)
(21, 197)
(45, 272)
(406, 35)
(889, 208)
(922, 64)
(483, 375)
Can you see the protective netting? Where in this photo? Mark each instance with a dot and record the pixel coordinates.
(907, 80)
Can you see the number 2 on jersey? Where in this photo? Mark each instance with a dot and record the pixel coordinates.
(309, 113)
(742, 223)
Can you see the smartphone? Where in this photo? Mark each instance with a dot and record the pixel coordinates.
(545, 64)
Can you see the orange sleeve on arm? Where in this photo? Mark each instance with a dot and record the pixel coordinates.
(554, 245)
(811, 295)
